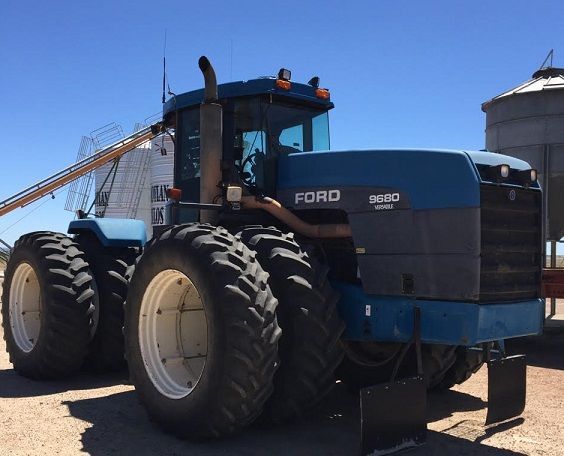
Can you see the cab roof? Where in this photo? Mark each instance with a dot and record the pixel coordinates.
(302, 92)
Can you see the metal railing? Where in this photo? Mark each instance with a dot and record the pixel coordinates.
(50, 184)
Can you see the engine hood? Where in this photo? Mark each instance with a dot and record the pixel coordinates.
(431, 178)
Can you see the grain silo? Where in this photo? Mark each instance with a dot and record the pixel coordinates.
(527, 122)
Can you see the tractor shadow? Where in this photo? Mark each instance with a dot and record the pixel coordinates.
(442, 404)
(13, 385)
(120, 426)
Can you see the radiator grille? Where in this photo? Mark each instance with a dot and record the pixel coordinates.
(511, 243)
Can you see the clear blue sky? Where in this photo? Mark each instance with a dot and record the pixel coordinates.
(401, 73)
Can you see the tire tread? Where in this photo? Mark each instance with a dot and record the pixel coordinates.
(252, 332)
(67, 296)
(310, 347)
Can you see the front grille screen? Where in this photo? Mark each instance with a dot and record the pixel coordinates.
(511, 243)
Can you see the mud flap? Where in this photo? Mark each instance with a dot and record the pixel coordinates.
(393, 415)
(507, 384)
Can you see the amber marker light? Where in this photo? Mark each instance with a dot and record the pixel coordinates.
(284, 85)
(174, 193)
(322, 93)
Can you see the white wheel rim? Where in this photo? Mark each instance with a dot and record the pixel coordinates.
(25, 307)
(173, 333)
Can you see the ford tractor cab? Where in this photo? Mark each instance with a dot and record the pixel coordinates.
(263, 120)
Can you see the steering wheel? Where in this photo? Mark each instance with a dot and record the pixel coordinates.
(249, 178)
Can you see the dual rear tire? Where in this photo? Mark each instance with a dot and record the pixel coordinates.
(109, 268)
(47, 306)
(62, 305)
(204, 346)
(310, 347)
(201, 331)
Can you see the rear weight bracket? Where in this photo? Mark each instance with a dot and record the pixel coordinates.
(393, 415)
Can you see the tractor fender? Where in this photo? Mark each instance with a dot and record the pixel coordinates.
(112, 232)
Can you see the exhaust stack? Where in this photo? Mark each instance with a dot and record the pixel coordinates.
(211, 145)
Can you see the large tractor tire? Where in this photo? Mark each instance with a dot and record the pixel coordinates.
(109, 267)
(467, 362)
(201, 332)
(47, 305)
(310, 347)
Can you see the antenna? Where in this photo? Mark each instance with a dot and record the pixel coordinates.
(548, 57)
(164, 69)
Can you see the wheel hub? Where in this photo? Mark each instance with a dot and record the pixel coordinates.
(25, 307)
(173, 333)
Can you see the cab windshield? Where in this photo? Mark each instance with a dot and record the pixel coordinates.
(264, 130)
(256, 130)
(280, 127)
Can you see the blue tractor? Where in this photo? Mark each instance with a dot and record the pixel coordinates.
(286, 266)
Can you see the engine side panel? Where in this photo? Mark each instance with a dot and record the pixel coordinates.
(429, 253)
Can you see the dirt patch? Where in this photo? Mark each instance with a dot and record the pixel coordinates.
(100, 415)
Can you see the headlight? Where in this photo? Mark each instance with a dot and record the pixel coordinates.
(526, 177)
(234, 194)
(504, 171)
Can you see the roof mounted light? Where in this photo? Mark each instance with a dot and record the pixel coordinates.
(534, 175)
(284, 74)
(314, 82)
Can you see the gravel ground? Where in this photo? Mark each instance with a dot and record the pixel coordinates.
(99, 415)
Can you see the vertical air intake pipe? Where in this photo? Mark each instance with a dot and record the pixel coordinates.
(211, 129)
